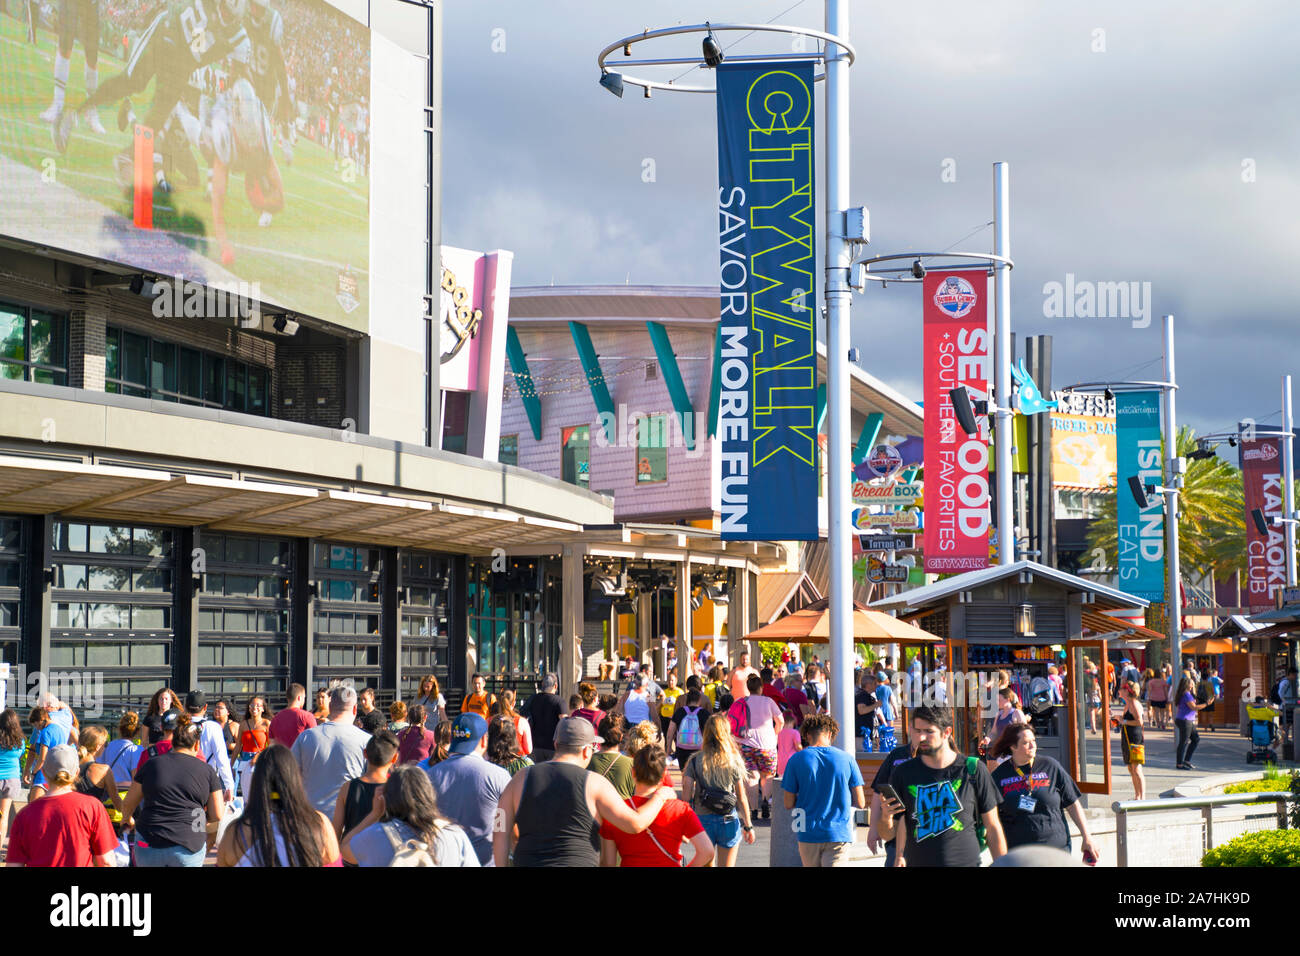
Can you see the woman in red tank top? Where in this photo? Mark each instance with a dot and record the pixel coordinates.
(252, 741)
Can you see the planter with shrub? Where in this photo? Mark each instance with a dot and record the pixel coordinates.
(1265, 848)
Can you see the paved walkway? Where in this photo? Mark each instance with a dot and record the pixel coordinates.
(1219, 752)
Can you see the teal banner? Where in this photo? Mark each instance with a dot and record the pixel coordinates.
(1141, 559)
(767, 409)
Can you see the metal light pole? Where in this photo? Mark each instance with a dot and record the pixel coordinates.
(839, 257)
(1005, 415)
(1173, 482)
(1288, 480)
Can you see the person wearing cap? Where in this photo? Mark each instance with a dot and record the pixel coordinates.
(333, 752)
(467, 785)
(212, 741)
(559, 806)
(63, 828)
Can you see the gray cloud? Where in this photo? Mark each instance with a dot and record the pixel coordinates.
(1126, 165)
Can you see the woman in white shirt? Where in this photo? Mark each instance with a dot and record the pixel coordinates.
(635, 702)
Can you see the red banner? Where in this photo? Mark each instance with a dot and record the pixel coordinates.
(956, 350)
(1261, 469)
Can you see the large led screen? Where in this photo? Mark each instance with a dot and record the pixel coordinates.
(226, 141)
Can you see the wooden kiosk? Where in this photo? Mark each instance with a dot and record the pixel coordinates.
(1022, 618)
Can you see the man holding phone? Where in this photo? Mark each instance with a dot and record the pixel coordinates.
(944, 795)
(884, 796)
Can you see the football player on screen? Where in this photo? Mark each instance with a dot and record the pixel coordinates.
(238, 140)
(175, 44)
(77, 18)
(267, 70)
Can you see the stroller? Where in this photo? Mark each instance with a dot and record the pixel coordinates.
(1263, 732)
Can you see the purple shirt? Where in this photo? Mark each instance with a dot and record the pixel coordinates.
(1185, 709)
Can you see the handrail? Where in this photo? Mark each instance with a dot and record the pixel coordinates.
(1195, 803)
(1206, 805)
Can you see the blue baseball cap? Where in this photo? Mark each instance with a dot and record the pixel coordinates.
(466, 732)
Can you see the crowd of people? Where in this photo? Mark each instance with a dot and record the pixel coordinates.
(549, 782)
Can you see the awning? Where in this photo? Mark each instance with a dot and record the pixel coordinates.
(112, 493)
(1276, 630)
(812, 625)
(1100, 623)
(777, 589)
(1208, 645)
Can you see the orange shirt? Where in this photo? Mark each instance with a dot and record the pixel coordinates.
(478, 704)
(738, 678)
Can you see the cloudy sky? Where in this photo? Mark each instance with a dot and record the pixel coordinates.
(1150, 143)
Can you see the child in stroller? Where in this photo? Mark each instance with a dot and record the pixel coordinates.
(1263, 732)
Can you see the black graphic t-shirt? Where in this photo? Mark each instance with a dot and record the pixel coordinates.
(1050, 789)
(943, 807)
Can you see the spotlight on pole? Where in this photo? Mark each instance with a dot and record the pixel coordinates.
(712, 51)
(1202, 453)
(1261, 523)
(1108, 395)
(961, 407)
(612, 82)
(918, 270)
(1139, 491)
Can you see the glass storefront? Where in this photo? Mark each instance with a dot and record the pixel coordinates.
(244, 617)
(11, 573)
(346, 614)
(514, 617)
(426, 634)
(111, 607)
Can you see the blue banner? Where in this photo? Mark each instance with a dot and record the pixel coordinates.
(1141, 552)
(767, 418)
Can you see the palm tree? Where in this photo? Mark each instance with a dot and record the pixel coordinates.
(1211, 520)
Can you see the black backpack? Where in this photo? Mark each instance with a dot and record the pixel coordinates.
(1275, 695)
(723, 696)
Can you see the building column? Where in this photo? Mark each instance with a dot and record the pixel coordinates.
(646, 639)
(736, 629)
(390, 623)
(188, 588)
(458, 623)
(685, 646)
(86, 332)
(571, 620)
(301, 626)
(38, 556)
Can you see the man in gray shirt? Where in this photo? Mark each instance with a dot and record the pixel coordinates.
(469, 787)
(332, 752)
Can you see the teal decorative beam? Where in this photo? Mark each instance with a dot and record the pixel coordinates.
(595, 380)
(866, 440)
(673, 379)
(909, 475)
(821, 408)
(524, 381)
(715, 387)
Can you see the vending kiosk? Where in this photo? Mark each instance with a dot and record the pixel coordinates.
(1027, 620)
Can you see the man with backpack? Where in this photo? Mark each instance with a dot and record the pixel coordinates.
(686, 728)
(945, 797)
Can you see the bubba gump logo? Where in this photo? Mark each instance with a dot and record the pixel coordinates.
(955, 297)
